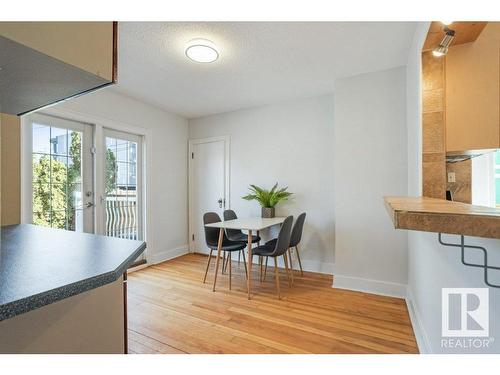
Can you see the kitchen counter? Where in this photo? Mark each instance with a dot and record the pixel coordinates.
(442, 216)
(40, 266)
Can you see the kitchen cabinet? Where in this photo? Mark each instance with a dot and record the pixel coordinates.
(473, 92)
(86, 45)
(42, 63)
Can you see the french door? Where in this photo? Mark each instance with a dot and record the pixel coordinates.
(121, 198)
(61, 174)
(61, 162)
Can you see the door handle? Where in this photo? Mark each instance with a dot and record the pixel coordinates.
(220, 202)
(89, 204)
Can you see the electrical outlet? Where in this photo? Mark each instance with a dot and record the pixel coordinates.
(451, 177)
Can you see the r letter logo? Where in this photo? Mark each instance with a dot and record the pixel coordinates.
(465, 312)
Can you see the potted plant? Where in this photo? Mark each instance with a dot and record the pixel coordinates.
(268, 199)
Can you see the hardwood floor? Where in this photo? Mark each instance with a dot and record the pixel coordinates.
(171, 311)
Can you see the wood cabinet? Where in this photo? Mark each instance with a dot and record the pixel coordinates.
(473, 92)
(10, 169)
(46, 62)
(86, 45)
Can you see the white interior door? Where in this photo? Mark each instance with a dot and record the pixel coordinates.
(208, 185)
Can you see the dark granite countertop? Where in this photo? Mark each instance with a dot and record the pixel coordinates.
(39, 266)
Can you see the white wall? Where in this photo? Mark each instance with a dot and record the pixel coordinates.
(483, 180)
(431, 266)
(290, 143)
(370, 162)
(168, 169)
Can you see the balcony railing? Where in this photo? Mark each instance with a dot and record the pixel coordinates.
(121, 220)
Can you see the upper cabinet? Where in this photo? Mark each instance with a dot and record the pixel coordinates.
(45, 62)
(472, 86)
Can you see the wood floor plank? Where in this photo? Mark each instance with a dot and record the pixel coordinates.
(172, 311)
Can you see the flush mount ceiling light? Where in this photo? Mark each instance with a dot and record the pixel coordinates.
(447, 23)
(202, 51)
(442, 49)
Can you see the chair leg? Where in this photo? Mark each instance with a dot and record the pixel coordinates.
(239, 254)
(265, 270)
(244, 262)
(229, 257)
(223, 262)
(261, 263)
(300, 263)
(277, 277)
(289, 253)
(208, 265)
(285, 259)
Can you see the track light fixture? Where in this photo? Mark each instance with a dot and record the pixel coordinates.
(442, 48)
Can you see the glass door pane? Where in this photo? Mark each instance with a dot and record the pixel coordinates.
(122, 198)
(58, 175)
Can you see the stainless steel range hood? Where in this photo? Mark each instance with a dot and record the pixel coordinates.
(458, 156)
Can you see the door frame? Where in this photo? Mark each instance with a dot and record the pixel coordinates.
(227, 175)
(99, 124)
(88, 163)
(140, 165)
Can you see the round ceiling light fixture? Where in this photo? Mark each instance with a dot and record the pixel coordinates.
(202, 51)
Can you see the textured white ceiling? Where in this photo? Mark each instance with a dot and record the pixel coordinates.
(260, 62)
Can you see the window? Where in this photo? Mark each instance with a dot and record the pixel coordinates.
(57, 177)
(122, 185)
(497, 178)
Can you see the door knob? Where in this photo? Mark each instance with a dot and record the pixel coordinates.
(89, 204)
(220, 202)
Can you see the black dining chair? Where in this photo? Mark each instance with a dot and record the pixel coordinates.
(294, 240)
(237, 235)
(212, 240)
(280, 248)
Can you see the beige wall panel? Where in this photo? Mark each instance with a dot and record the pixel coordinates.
(433, 132)
(433, 73)
(473, 93)
(87, 45)
(10, 169)
(433, 174)
(462, 187)
(433, 100)
(91, 322)
(433, 127)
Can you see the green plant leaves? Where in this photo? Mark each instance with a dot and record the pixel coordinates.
(267, 198)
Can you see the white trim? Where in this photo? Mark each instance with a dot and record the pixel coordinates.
(87, 161)
(102, 122)
(138, 268)
(139, 140)
(307, 265)
(421, 336)
(383, 288)
(316, 266)
(227, 171)
(165, 255)
(26, 171)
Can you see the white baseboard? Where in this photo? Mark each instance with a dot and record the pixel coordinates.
(315, 266)
(423, 342)
(359, 284)
(164, 255)
(137, 268)
(307, 265)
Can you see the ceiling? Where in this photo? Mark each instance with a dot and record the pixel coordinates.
(260, 62)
